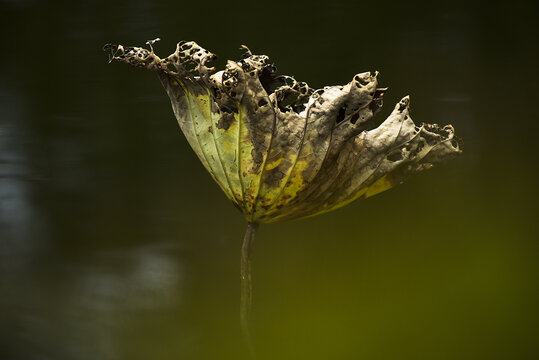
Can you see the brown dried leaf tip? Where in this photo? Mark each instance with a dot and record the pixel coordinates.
(280, 150)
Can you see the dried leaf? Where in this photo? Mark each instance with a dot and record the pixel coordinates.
(280, 150)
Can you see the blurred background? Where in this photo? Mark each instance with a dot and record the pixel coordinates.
(116, 244)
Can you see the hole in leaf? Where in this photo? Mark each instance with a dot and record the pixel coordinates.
(374, 107)
(299, 108)
(268, 80)
(340, 115)
(360, 80)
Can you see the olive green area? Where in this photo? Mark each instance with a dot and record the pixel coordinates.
(115, 243)
(278, 149)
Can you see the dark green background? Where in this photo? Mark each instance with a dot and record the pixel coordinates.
(116, 244)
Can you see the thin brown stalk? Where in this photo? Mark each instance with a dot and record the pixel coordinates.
(246, 286)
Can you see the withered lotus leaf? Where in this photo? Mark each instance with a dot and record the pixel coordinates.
(280, 150)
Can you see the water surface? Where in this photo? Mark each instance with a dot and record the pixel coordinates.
(116, 244)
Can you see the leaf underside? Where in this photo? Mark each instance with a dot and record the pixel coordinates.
(280, 150)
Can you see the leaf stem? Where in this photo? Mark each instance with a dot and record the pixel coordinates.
(246, 287)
